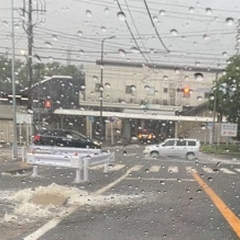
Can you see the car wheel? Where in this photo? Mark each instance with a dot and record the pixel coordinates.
(154, 154)
(190, 156)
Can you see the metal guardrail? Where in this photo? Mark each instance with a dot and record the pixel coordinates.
(79, 162)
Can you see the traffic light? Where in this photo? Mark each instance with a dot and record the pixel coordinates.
(186, 91)
(48, 104)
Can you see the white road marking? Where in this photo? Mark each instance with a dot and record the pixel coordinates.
(136, 168)
(97, 167)
(237, 169)
(55, 221)
(117, 167)
(154, 168)
(172, 169)
(225, 170)
(191, 169)
(208, 170)
(162, 179)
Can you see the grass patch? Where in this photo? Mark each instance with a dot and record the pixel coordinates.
(221, 149)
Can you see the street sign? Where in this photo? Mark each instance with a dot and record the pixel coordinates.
(209, 125)
(229, 129)
(24, 118)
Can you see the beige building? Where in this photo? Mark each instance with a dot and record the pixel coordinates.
(138, 85)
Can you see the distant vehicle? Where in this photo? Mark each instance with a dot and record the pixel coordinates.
(174, 147)
(64, 138)
(147, 136)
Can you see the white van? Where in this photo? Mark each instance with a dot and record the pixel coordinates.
(174, 147)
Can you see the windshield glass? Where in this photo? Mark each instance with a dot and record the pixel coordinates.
(119, 119)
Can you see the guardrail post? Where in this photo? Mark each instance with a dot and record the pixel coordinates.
(35, 171)
(85, 169)
(78, 175)
(106, 167)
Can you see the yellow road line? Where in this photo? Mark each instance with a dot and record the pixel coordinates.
(227, 213)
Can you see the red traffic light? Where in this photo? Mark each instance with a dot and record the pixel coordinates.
(48, 104)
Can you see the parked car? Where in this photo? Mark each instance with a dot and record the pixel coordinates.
(174, 147)
(64, 138)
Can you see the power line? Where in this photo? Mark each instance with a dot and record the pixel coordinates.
(159, 37)
(129, 29)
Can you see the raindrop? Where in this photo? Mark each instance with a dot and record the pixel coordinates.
(5, 23)
(55, 37)
(83, 86)
(191, 9)
(210, 179)
(211, 97)
(79, 33)
(122, 53)
(199, 190)
(121, 16)
(103, 29)
(198, 76)
(89, 13)
(225, 54)
(81, 52)
(135, 50)
(206, 37)
(48, 44)
(147, 170)
(203, 127)
(165, 78)
(229, 21)
(177, 71)
(107, 85)
(233, 87)
(155, 19)
(106, 10)
(162, 12)
(133, 88)
(146, 87)
(95, 78)
(199, 98)
(174, 32)
(208, 11)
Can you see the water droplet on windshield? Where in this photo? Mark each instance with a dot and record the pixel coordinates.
(165, 78)
(206, 37)
(5, 23)
(135, 50)
(162, 12)
(208, 11)
(122, 53)
(191, 9)
(174, 32)
(229, 21)
(198, 76)
(107, 85)
(155, 19)
(95, 78)
(146, 87)
(121, 16)
(89, 13)
(81, 52)
(48, 44)
(225, 54)
(133, 88)
(106, 10)
(79, 33)
(103, 29)
(199, 98)
(55, 37)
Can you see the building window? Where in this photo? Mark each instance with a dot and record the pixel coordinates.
(206, 95)
(128, 89)
(165, 90)
(97, 87)
(151, 91)
(165, 102)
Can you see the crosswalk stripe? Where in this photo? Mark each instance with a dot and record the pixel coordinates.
(137, 168)
(225, 170)
(154, 168)
(237, 169)
(116, 167)
(208, 170)
(172, 169)
(97, 167)
(191, 169)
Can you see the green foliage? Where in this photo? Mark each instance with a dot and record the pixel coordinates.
(226, 92)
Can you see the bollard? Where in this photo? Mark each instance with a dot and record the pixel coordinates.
(78, 175)
(106, 167)
(35, 171)
(85, 170)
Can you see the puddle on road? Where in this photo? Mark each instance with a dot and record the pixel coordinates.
(47, 202)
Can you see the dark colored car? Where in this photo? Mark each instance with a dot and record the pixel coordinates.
(64, 138)
(147, 136)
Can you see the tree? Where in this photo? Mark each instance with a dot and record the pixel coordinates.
(226, 93)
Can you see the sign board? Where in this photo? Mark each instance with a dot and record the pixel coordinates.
(24, 118)
(209, 125)
(229, 129)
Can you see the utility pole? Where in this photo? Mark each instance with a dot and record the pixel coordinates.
(238, 37)
(214, 109)
(28, 27)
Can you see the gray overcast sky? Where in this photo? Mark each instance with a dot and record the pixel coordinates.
(195, 32)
